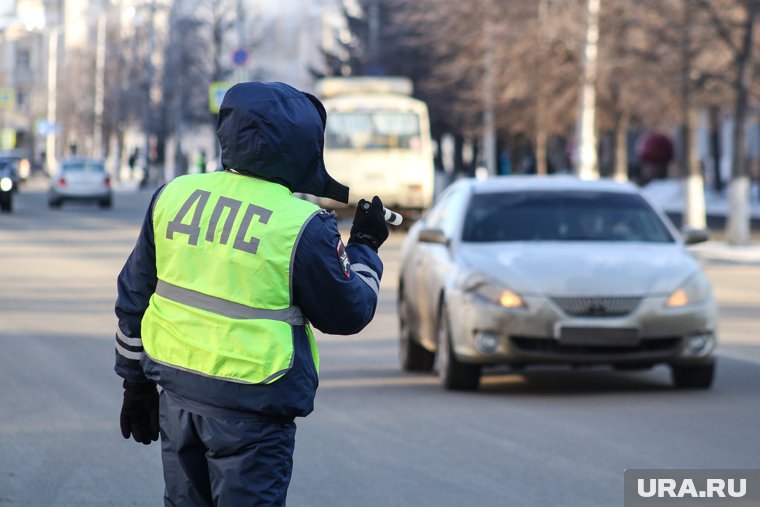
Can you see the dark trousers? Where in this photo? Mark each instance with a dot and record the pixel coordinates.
(223, 461)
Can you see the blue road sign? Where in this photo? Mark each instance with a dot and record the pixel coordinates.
(240, 56)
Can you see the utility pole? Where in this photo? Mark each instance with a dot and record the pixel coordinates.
(100, 77)
(148, 119)
(621, 147)
(489, 115)
(694, 212)
(540, 67)
(50, 155)
(588, 167)
(177, 43)
(738, 223)
(374, 33)
(240, 72)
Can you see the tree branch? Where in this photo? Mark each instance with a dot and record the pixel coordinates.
(719, 24)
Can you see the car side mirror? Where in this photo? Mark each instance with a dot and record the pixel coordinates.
(433, 236)
(692, 236)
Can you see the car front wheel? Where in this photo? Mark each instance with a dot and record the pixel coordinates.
(693, 376)
(454, 375)
(413, 356)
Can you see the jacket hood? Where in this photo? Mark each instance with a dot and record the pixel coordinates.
(275, 132)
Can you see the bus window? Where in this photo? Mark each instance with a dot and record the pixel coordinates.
(370, 130)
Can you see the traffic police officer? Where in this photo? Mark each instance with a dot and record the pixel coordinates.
(217, 299)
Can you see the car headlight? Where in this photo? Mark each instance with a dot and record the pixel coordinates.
(696, 290)
(6, 184)
(485, 289)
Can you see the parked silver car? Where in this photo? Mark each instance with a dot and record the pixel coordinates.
(554, 270)
(80, 179)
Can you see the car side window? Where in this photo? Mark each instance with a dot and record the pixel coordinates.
(435, 214)
(452, 212)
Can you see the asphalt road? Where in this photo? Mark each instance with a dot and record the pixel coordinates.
(379, 437)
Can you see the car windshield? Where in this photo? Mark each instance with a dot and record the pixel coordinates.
(84, 166)
(373, 130)
(562, 216)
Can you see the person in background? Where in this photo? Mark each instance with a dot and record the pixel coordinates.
(655, 151)
(201, 161)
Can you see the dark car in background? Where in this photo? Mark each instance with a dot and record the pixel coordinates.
(20, 168)
(8, 185)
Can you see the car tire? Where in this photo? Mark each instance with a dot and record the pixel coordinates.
(105, 203)
(692, 376)
(54, 203)
(6, 203)
(413, 356)
(454, 374)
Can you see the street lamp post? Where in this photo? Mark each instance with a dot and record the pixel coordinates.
(50, 140)
(489, 115)
(100, 63)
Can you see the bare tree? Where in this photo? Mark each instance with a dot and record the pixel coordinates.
(197, 45)
(75, 104)
(657, 72)
(734, 24)
(659, 64)
(456, 51)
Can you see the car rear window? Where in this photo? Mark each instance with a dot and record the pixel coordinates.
(91, 167)
(562, 216)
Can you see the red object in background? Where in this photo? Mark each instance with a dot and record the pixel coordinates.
(655, 148)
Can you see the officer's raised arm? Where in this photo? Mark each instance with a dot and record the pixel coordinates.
(337, 287)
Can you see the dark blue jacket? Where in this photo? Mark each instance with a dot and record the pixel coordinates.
(335, 296)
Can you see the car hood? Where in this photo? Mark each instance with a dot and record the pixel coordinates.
(581, 268)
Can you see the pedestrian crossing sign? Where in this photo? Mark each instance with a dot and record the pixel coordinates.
(216, 94)
(7, 138)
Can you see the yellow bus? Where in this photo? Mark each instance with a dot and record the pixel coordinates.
(377, 141)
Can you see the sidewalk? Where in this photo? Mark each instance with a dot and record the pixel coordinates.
(669, 195)
(722, 252)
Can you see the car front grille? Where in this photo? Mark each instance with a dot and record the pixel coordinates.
(552, 346)
(605, 306)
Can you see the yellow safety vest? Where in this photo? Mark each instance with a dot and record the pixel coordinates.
(223, 305)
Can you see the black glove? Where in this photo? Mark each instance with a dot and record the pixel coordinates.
(139, 412)
(369, 224)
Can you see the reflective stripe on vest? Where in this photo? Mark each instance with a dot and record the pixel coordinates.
(225, 248)
(291, 315)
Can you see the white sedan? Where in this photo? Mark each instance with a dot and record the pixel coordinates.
(80, 179)
(527, 271)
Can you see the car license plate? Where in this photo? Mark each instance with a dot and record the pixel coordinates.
(600, 336)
